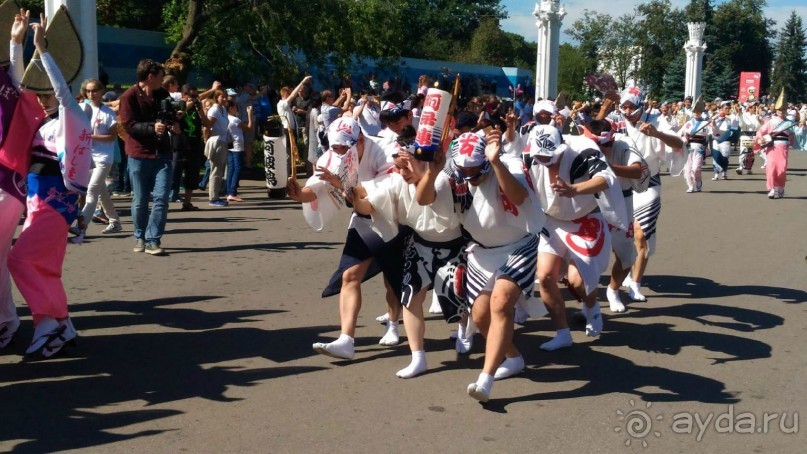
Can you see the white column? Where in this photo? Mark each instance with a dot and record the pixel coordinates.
(694, 49)
(549, 15)
(82, 12)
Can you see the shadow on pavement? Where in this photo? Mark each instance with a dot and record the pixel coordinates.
(269, 247)
(606, 373)
(698, 287)
(69, 403)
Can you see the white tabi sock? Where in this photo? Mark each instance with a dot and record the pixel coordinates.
(391, 336)
(563, 339)
(416, 367)
(481, 389)
(614, 300)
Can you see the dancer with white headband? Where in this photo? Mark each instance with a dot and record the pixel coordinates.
(371, 247)
(500, 212)
(657, 143)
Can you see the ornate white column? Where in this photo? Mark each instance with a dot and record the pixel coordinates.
(82, 12)
(549, 15)
(694, 48)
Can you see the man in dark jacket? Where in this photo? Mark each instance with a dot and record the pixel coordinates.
(148, 146)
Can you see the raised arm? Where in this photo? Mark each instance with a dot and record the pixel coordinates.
(60, 88)
(297, 89)
(511, 187)
(18, 30)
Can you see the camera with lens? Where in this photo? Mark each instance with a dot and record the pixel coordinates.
(168, 110)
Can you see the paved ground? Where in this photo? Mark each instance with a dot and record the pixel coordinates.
(209, 348)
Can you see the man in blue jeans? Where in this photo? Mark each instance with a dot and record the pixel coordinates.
(148, 147)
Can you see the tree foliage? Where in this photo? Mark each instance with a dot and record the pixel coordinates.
(489, 45)
(790, 67)
(590, 32)
(572, 68)
(660, 41)
(742, 34)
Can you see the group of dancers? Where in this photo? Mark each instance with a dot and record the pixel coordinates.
(767, 131)
(483, 221)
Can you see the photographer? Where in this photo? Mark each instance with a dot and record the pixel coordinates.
(148, 146)
(192, 144)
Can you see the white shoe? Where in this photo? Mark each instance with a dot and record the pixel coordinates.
(614, 301)
(50, 336)
(383, 319)
(690, 189)
(723, 176)
(342, 349)
(509, 367)
(716, 177)
(739, 170)
(113, 227)
(634, 294)
(774, 194)
(593, 321)
(478, 392)
(8, 330)
(391, 337)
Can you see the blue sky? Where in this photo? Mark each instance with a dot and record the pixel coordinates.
(521, 20)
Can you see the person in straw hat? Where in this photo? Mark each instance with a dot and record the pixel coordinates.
(58, 136)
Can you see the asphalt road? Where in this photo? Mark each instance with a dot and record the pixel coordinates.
(209, 348)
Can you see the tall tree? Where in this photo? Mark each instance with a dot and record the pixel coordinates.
(523, 51)
(246, 37)
(591, 31)
(672, 86)
(699, 11)
(620, 54)
(661, 40)
(742, 36)
(490, 45)
(448, 24)
(572, 68)
(790, 67)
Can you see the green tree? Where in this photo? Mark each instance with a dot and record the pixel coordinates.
(523, 51)
(699, 11)
(590, 32)
(661, 40)
(672, 86)
(790, 67)
(244, 37)
(452, 23)
(572, 68)
(719, 80)
(490, 45)
(620, 53)
(742, 37)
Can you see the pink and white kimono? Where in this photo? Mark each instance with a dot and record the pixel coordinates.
(60, 157)
(776, 153)
(695, 136)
